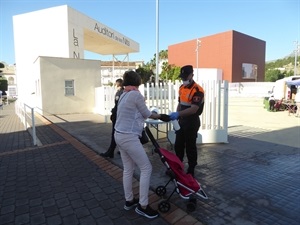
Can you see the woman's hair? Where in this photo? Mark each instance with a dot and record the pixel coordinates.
(131, 78)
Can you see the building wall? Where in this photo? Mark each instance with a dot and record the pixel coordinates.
(50, 95)
(247, 49)
(60, 32)
(226, 51)
(39, 33)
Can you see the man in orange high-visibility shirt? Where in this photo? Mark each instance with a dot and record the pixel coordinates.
(190, 107)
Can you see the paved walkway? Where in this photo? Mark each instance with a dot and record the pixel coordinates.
(254, 179)
(63, 181)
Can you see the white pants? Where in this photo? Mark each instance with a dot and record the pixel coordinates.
(132, 154)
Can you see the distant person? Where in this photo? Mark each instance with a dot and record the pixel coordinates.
(271, 103)
(297, 101)
(110, 152)
(278, 105)
(1, 102)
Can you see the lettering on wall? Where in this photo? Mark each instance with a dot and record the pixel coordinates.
(75, 39)
(106, 32)
(76, 54)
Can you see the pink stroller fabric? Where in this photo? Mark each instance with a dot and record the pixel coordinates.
(178, 168)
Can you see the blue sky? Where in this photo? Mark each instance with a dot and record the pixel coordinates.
(275, 21)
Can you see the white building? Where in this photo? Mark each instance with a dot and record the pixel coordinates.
(112, 70)
(8, 71)
(52, 71)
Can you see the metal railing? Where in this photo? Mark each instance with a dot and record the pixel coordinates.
(26, 115)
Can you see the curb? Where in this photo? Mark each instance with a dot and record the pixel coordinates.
(175, 216)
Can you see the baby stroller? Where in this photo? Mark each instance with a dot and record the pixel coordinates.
(278, 105)
(185, 184)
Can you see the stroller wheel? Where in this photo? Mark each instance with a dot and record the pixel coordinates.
(191, 206)
(164, 206)
(161, 191)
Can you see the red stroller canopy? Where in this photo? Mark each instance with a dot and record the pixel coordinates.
(178, 168)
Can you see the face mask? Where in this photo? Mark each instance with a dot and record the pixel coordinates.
(186, 82)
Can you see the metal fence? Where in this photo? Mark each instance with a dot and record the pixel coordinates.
(26, 115)
(164, 96)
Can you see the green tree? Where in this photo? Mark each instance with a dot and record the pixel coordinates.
(145, 72)
(287, 63)
(273, 75)
(3, 85)
(169, 72)
(3, 80)
(289, 73)
(163, 55)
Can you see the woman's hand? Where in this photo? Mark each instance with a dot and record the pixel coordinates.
(154, 115)
(165, 118)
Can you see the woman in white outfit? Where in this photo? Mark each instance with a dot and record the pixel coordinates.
(131, 114)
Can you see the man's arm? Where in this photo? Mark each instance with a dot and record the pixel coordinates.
(189, 111)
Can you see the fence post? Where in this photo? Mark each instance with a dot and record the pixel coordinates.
(20, 110)
(225, 105)
(25, 120)
(33, 126)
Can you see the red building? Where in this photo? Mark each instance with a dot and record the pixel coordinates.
(241, 57)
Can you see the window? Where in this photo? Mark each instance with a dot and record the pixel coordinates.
(249, 71)
(11, 81)
(69, 87)
(12, 91)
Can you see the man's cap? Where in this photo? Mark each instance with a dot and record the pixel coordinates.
(185, 71)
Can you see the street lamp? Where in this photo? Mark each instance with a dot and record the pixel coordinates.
(296, 55)
(157, 41)
(198, 44)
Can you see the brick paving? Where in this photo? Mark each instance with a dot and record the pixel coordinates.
(62, 181)
(254, 179)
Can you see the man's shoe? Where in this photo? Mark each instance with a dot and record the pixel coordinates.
(191, 171)
(148, 212)
(108, 154)
(131, 204)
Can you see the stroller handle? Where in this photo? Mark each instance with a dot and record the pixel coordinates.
(150, 135)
